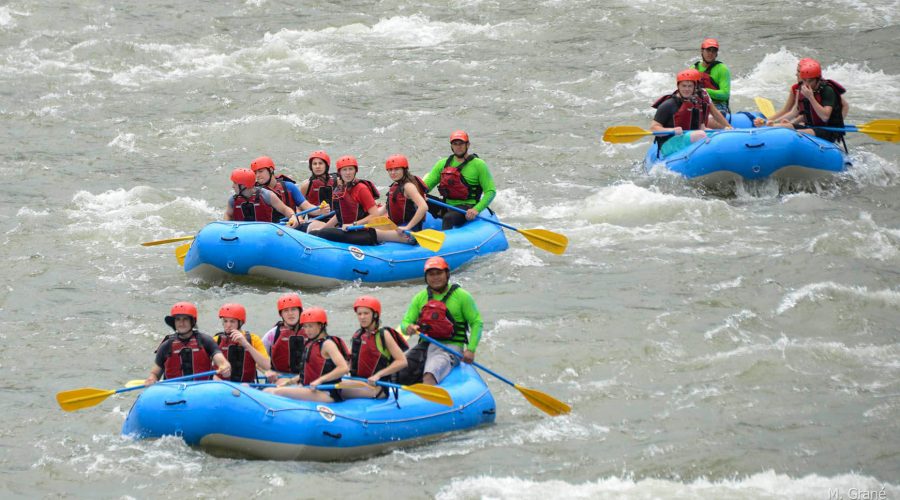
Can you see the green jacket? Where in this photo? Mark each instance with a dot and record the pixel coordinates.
(475, 173)
(722, 76)
(461, 306)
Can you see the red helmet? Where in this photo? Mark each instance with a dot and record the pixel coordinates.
(347, 161)
(182, 309)
(396, 161)
(459, 135)
(243, 176)
(370, 302)
(809, 68)
(233, 311)
(322, 155)
(436, 263)
(289, 300)
(261, 163)
(688, 75)
(314, 315)
(709, 42)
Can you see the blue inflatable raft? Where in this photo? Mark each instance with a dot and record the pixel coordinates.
(224, 249)
(753, 153)
(230, 419)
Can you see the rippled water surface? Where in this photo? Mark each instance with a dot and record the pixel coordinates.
(740, 346)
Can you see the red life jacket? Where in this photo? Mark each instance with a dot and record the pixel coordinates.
(691, 112)
(453, 185)
(314, 193)
(400, 209)
(436, 321)
(186, 357)
(238, 357)
(812, 118)
(706, 80)
(287, 348)
(314, 363)
(282, 191)
(348, 209)
(254, 208)
(369, 352)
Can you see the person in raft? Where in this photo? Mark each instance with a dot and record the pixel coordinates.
(187, 350)
(376, 352)
(321, 182)
(252, 203)
(463, 180)
(324, 360)
(243, 350)
(683, 110)
(286, 340)
(354, 204)
(283, 186)
(406, 205)
(808, 66)
(714, 75)
(446, 313)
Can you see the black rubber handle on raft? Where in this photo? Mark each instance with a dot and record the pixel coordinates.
(335, 436)
(173, 403)
(230, 238)
(360, 272)
(755, 145)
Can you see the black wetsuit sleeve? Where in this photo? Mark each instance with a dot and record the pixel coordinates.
(163, 352)
(209, 344)
(665, 113)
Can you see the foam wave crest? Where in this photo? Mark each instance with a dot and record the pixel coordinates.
(828, 291)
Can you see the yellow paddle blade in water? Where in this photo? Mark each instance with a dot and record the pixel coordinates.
(765, 106)
(85, 397)
(621, 134)
(544, 402)
(134, 383)
(163, 242)
(431, 393)
(430, 239)
(546, 240)
(180, 252)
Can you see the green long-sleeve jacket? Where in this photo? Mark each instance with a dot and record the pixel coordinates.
(461, 306)
(475, 173)
(722, 76)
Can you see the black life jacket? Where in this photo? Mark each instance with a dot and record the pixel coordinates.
(348, 208)
(253, 208)
(436, 321)
(187, 357)
(453, 185)
(400, 209)
(287, 348)
(369, 353)
(243, 367)
(314, 363)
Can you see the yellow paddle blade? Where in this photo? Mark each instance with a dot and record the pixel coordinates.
(134, 383)
(180, 252)
(381, 222)
(765, 106)
(546, 240)
(624, 133)
(881, 134)
(544, 402)
(163, 242)
(885, 123)
(430, 239)
(431, 393)
(85, 397)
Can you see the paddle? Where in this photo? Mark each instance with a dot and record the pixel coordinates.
(544, 402)
(163, 242)
(181, 252)
(765, 106)
(881, 130)
(541, 238)
(431, 393)
(86, 397)
(427, 238)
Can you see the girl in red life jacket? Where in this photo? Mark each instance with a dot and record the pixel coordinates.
(791, 102)
(244, 350)
(406, 205)
(321, 182)
(679, 113)
(352, 199)
(376, 353)
(322, 352)
(261, 200)
(286, 341)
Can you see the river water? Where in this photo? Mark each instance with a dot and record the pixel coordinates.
(739, 346)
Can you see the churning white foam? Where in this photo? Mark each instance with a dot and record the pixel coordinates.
(829, 290)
